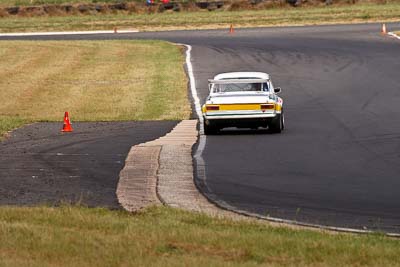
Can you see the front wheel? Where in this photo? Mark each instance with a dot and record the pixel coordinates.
(277, 124)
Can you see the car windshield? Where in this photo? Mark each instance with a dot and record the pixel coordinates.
(239, 87)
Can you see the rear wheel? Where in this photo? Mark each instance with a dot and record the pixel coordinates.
(210, 129)
(277, 124)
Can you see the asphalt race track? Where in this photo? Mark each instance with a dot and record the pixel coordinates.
(40, 165)
(338, 161)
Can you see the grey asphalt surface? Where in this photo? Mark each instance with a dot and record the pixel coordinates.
(40, 165)
(338, 161)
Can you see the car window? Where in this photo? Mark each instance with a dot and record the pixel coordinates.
(240, 87)
(265, 87)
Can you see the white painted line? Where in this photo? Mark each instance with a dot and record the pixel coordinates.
(394, 35)
(64, 33)
(298, 223)
(198, 156)
(193, 87)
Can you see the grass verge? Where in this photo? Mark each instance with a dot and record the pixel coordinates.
(8, 123)
(93, 80)
(204, 19)
(161, 236)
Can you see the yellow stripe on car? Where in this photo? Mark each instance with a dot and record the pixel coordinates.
(223, 107)
(239, 107)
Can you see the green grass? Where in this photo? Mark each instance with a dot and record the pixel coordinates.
(93, 80)
(77, 236)
(8, 123)
(205, 19)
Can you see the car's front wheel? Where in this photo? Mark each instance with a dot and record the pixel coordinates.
(277, 124)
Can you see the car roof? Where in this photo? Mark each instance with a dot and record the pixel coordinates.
(242, 75)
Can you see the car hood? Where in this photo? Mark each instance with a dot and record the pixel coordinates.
(239, 99)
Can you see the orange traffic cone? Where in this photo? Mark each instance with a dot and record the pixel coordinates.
(384, 28)
(67, 124)
(231, 30)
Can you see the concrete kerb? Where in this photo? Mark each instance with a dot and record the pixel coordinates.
(161, 172)
(138, 179)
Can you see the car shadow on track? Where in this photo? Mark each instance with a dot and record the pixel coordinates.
(240, 131)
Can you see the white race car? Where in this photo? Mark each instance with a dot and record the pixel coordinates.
(243, 100)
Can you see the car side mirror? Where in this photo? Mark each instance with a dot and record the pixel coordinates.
(277, 90)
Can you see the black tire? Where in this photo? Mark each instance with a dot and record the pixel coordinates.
(277, 124)
(210, 129)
